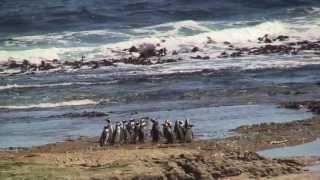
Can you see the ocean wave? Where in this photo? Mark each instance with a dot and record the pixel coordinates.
(53, 105)
(16, 86)
(178, 36)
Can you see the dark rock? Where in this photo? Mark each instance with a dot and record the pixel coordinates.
(106, 63)
(147, 50)
(133, 49)
(313, 106)
(174, 52)
(95, 65)
(91, 114)
(162, 52)
(281, 38)
(200, 57)
(195, 49)
(223, 55)
(13, 64)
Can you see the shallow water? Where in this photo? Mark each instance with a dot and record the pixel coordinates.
(314, 168)
(215, 102)
(307, 149)
(40, 127)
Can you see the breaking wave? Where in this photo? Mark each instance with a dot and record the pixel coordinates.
(16, 86)
(52, 105)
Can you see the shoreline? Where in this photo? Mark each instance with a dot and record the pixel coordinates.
(215, 158)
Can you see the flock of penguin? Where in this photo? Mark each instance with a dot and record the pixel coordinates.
(135, 131)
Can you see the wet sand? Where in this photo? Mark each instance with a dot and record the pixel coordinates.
(203, 159)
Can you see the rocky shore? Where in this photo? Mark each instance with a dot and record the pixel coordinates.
(313, 106)
(150, 54)
(231, 158)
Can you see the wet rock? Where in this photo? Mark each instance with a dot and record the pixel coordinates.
(265, 39)
(313, 106)
(223, 55)
(90, 114)
(162, 52)
(147, 50)
(195, 49)
(25, 65)
(210, 40)
(174, 52)
(106, 63)
(95, 65)
(133, 49)
(73, 64)
(235, 54)
(44, 66)
(200, 57)
(281, 38)
(13, 64)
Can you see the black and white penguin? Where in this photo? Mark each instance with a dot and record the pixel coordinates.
(188, 133)
(104, 136)
(117, 133)
(155, 131)
(124, 132)
(167, 132)
(142, 125)
(109, 131)
(131, 129)
(136, 132)
(178, 131)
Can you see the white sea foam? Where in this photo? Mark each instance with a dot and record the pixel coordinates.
(52, 105)
(175, 39)
(16, 86)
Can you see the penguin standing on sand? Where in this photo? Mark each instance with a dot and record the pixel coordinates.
(117, 133)
(188, 133)
(130, 128)
(109, 132)
(104, 136)
(155, 131)
(142, 124)
(124, 132)
(136, 132)
(178, 131)
(167, 131)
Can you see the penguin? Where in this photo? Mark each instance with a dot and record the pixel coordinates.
(131, 129)
(155, 131)
(124, 132)
(188, 133)
(117, 133)
(142, 124)
(178, 131)
(136, 132)
(109, 132)
(104, 136)
(167, 132)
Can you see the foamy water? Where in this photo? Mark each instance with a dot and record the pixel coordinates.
(179, 36)
(16, 86)
(52, 105)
